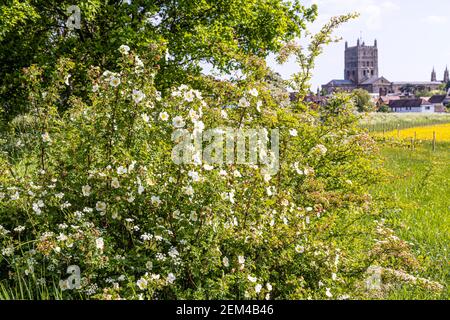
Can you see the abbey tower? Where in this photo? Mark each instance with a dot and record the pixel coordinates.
(361, 62)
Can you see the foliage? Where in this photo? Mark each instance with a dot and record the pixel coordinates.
(227, 34)
(363, 100)
(418, 211)
(96, 187)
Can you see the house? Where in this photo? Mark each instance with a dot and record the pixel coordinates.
(384, 100)
(411, 105)
(438, 102)
(447, 99)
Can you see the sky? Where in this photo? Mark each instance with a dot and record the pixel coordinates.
(413, 36)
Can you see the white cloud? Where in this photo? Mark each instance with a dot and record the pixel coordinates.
(372, 12)
(435, 20)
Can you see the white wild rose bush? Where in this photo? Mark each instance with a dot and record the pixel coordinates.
(95, 186)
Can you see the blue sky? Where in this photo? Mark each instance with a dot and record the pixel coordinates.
(413, 36)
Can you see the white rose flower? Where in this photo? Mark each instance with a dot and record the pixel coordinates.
(244, 103)
(178, 122)
(86, 190)
(164, 116)
(145, 117)
(115, 183)
(138, 96)
(171, 278)
(226, 262)
(293, 132)
(46, 137)
(114, 82)
(142, 283)
(99, 243)
(100, 206)
(124, 49)
(253, 92)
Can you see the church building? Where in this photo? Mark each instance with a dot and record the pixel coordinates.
(361, 71)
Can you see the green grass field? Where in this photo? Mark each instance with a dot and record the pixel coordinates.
(418, 187)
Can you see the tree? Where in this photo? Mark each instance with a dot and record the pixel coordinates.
(362, 100)
(224, 33)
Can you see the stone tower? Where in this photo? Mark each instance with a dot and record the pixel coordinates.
(361, 62)
(446, 75)
(433, 76)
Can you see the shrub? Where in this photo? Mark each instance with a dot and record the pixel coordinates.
(96, 187)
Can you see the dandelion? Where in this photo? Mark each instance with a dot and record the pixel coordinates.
(86, 190)
(178, 122)
(138, 96)
(114, 82)
(164, 116)
(100, 206)
(142, 284)
(124, 49)
(115, 183)
(99, 244)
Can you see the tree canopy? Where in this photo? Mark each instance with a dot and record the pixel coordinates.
(222, 33)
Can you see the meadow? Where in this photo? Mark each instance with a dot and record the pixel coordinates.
(439, 132)
(415, 191)
(385, 122)
(416, 188)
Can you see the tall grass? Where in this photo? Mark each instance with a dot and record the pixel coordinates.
(418, 187)
(379, 122)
